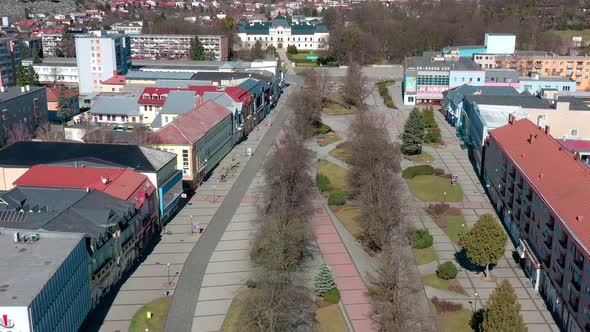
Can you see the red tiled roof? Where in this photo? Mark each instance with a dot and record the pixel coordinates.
(236, 93)
(189, 127)
(123, 183)
(53, 93)
(157, 91)
(115, 80)
(561, 181)
(578, 145)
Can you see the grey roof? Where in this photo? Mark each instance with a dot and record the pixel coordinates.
(501, 75)
(500, 34)
(515, 100)
(457, 94)
(547, 79)
(140, 158)
(426, 62)
(180, 83)
(179, 102)
(465, 47)
(224, 100)
(120, 104)
(217, 76)
(157, 75)
(252, 84)
(25, 268)
(576, 104)
(531, 53)
(15, 91)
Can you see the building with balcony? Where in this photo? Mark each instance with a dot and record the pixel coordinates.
(63, 71)
(177, 47)
(10, 55)
(544, 207)
(280, 33)
(98, 56)
(45, 277)
(52, 44)
(22, 105)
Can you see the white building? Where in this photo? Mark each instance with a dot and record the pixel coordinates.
(51, 44)
(500, 43)
(99, 56)
(132, 28)
(176, 46)
(280, 33)
(55, 70)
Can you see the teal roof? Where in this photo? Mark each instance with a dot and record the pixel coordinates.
(256, 28)
(296, 29)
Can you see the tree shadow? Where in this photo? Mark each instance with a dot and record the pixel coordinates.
(464, 262)
(477, 320)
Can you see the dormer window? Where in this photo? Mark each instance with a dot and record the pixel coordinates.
(155, 96)
(146, 96)
(163, 96)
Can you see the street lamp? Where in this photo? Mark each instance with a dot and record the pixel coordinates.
(168, 265)
(476, 297)
(462, 230)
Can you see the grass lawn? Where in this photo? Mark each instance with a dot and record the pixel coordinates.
(329, 138)
(232, 319)
(349, 217)
(330, 319)
(430, 188)
(299, 56)
(568, 34)
(433, 281)
(457, 321)
(336, 109)
(454, 228)
(336, 174)
(342, 151)
(424, 256)
(424, 157)
(159, 310)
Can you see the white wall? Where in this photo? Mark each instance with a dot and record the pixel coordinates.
(500, 44)
(19, 317)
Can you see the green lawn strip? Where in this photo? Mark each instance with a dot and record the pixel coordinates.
(433, 281)
(424, 256)
(329, 138)
(330, 319)
(338, 176)
(431, 188)
(349, 217)
(457, 321)
(332, 108)
(236, 309)
(424, 157)
(159, 310)
(342, 151)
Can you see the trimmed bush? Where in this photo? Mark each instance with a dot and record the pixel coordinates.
(429, 121)
(320, 129)
(373, 291)
(323, 182)
(432, 136)
(412, 172)
(332, 296)
(447, 271)
(338, 198)
(251, 283)
(421, 238)
(292, 49)
(442, 306)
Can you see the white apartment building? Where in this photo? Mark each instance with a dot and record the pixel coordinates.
(99, 56)
(51, 42)
(52, 70)
(281, 33)
(133, 28)
(145, 46)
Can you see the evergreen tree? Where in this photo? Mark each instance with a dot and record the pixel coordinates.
(26, 76)
(323, 280)
(197, 50)
(21, 75)
(33, 77)
(502, 312)
(64, 109)
(485, 242)
(256, 52)
(413, 133)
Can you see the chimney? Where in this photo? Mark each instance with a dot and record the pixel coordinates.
(547, 130)
(28, 87)
(531, 138)
(510, 118)
(104, 180)
(2, 88)
(579, 218)
(22, 89)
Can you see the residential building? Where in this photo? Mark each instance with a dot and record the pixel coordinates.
(53, 95)
(576, 68)
(22, 104)
(158, 166)
(108, 222)
(99, 55)
(10, 55)
(580, 147)
(536, 82)
(114, 84)
(45, 277)
(178, 102)
(177, 47)
(132, 28)
(542, 206)
(118, 108)
(63, 71)
(502, 77)
(280, 33)
(200, 138)
(52, 44)
(426, 78)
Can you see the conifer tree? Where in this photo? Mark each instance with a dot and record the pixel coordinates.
(323, 280)
(413, 133)
(502, 312)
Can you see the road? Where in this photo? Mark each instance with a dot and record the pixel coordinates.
(182, 310)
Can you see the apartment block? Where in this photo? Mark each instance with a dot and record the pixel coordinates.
(176, 47)
(22, 104)
(52, 44)
(10, 55)
(544, 208)
(99, 56)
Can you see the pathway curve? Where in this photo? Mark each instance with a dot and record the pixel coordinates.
(182, 310)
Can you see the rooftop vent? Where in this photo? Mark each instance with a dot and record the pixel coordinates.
(104, 180)
(2, 89)
(579, 218)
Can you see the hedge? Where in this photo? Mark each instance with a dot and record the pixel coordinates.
(413, 171)
(447, 271)
(421, 239)
(332, 296)
(337, 198)
(320, 129)
(323, 182)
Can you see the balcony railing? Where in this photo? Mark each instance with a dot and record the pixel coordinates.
(548, 242)
(561, 262)
(574, 303)
(576, 285)
(579, 262)
(563, 243)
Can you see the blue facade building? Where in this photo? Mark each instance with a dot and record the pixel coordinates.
(10, 56)
(46, 280)
(453, 99)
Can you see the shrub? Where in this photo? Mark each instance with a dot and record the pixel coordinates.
(442, 306)
(413, 171)
(432, 136)
(429, 121)
(439, 208)
(388, 101)
(447, 271)
(320, 128)
(373, 291)
(439, 172)
(251, 283)
(323, 182)
(456, 287)
(338, 198)
(332, 296)
(323, 280)
(421, 239)
(454, 211)
(292, 49)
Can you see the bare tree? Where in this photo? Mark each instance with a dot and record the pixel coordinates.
(140, 136)
(46, 133)
(307, 103)
(355, 88)
(18, 132)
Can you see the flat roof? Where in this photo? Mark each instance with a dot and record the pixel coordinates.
(426, 63)
(25, 268)
(494, 118)
(512, 100)
(15, 91)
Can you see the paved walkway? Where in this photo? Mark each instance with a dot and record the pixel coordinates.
(454, 160)
(348, 280)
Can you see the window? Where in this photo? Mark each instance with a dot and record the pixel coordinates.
(100, 117)
(574, 132)
(185, 162)
(478, 79)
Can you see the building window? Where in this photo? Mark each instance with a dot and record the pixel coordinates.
(574, 132)
(185, 162)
